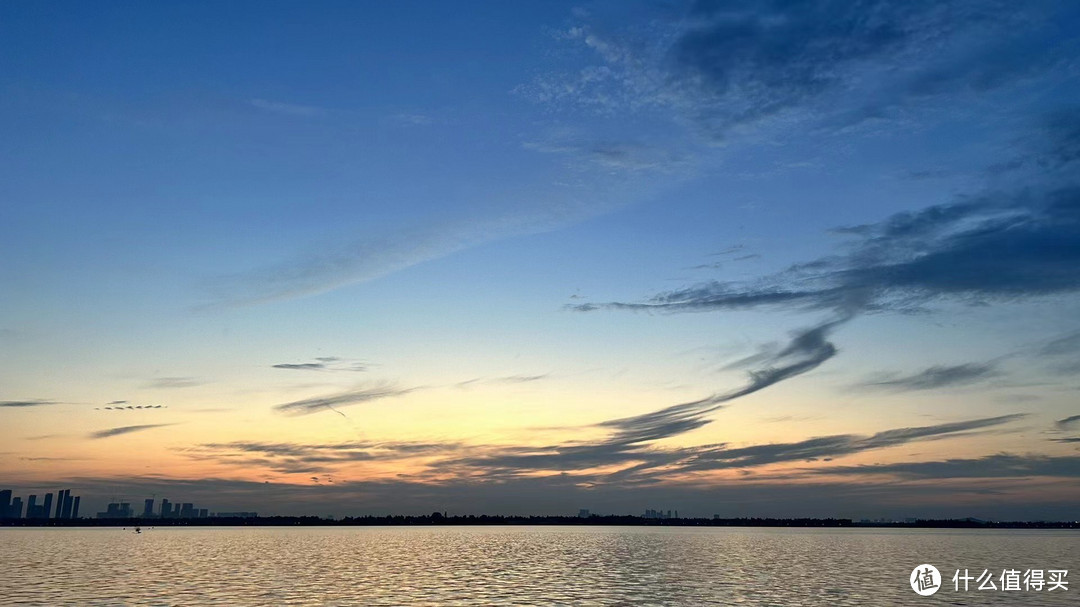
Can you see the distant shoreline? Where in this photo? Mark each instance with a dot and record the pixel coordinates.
(489, 520)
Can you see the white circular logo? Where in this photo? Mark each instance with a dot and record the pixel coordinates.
(925, 580)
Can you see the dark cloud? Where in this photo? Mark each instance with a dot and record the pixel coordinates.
(842, 444)
(27, 403)
(174, 382)
(737, 63)
(325, 363)
(641, 464)
(630, 438)
(310, 457)
(747, 60)
(1000, 465)
(1068, 422)
(994, 248)
(936, 377)
(301, 366)
(807, 350)
(124, 430)
(332, 401)
(117, 402)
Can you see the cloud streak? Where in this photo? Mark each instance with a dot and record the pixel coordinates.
(330, 402)
(19, 404)
(109, 432)
(307, 458)
(732, 65)
(991, 466)
(994, 248)
(806, 350)
(940, 376)
(169, 383)
(1068, 422)
(324, 363)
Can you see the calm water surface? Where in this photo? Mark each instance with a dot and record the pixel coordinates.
(517, 566)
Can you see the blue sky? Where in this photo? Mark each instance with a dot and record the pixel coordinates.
(506, 257)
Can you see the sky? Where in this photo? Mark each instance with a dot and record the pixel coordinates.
(735, 258)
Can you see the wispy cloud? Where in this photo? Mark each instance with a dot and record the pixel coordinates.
(325, 363)
(27, 403)
(730, 65)
(293, 458)
(635, 464)
(288, 109)
(330, 402)
(807, 350)
(413, 119)
(174, 382)
(506, 379)
(124, 430)
(991, 466)
(940, 376)
(1068, 423)
(375, 257)
(945, 251)
(1063, 354)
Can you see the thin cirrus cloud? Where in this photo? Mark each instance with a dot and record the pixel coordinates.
(657, 465)
(636, 464)
(27, 403)
(331, 402)
(938, 376)
(109, 432)
(807, 350)
(288, 109)
(295, 458)
(325, 363)
(1063, 354)
(720, 69)
(506, 379)
(630, 439)
(995, 248)
(991, 466)
(174, 382)
(375, 257)
(731, 65)
(1068, 422)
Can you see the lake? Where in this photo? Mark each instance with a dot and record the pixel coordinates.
(520, 565)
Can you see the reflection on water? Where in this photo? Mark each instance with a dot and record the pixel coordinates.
(515, 565)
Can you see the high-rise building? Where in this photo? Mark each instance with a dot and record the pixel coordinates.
(65, 512)
(166, 509)
(46, 506)
(60, 503)
(75, 507)
(187, 511)
(5, 502)
(204, 512)
(148, 508)
(31, 506)
(15, 509)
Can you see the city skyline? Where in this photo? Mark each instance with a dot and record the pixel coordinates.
(755, 259)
